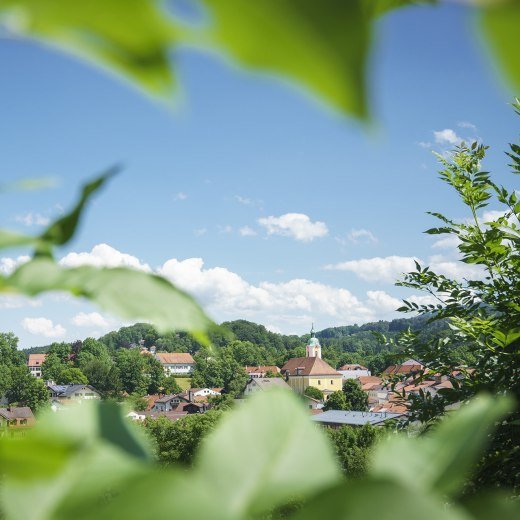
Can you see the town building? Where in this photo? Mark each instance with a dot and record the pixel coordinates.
(65, 394)
(409, 367)
(202, 394)
(176, 363)
(303, 372)
(34, 364)
(354, 371)
(264, 383)
(338, 418)
(170, 403)
(15, 420)
(262, 371)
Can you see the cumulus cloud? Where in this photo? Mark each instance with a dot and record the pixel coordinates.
(361, 235)
(247, 231)
(18, 302)
(447, 136)
(467, 125)
(295, 225)
(90, 319)
(43, 327)
(448, 242)
(180, 196)
(225, 294)
(377, 269)
(8, 265)
(382, 301)
(103, 255)
(32, 219)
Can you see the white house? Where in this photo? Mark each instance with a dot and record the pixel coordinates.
(176, 362)
(203, 392)
(259, 384)
(354, 371)
(70, 393)
(34, 363)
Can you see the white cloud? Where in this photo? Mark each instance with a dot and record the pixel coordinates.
(200, 232)
(361, 235)
(246, 201)
(33, 219)
(180, 196)
(247, 231)
(383, 301)
(455, 269)
(377, 269)
(296, 225)
(43, 327)
(8, 265)
(225, 230)
(447, 136)
(468, 125)
(91, 319)
(103, 255)
(18, 302)
(448, 242)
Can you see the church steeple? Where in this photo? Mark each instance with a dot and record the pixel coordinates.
(313, 349)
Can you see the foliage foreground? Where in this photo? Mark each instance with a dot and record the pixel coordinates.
(266, 459)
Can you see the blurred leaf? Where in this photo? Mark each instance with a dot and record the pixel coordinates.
(38, 183)
(442, 460)
(11, 239)
(323, 45)
(127, 36)
(128, 293)
(73, 457)
(265, 453)
(63, 229)
(500, 22)
(372, 498)
(494, 505)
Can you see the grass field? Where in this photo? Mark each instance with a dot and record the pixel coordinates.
(184, 382)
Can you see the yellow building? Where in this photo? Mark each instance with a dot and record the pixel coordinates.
(312, 371)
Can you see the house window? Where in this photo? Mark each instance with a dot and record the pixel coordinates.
(23, 421)
(331, 382)
(319, 382)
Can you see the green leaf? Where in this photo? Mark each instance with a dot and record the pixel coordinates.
(493, 505)
(264, 454)
(442, 460)
(63, 229)
(122, 291)
(323, 45)
(499, 23)
(72, 458)
(11, 239)
(130, 37)
(373, 498)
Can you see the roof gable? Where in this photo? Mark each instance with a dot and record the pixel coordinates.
(308, 366)
(175, 358)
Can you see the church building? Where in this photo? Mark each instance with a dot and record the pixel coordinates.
(312, 371)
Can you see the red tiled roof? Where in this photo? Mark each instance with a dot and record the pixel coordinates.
(309, 366)
(353, 367)
(402, 369)
(262, 369)
(172, 358)
(36, 360)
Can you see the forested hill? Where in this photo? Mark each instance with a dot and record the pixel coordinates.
(257, 345)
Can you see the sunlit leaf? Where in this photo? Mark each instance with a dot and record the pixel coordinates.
(127, 36)
(11, 239)
(499, 22)
(125, 292)
(442, 460)
(323, 45)
(63, 229)
(263, 453)
(372, 498)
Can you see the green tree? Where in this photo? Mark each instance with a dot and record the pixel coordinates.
(177, 441)
(62, 351)
(336, 401)
(91, 349)
(26, 390)
(170, 385)
(354, 396)
(153, 373)
(353, 447)
(71, 375)
(483, 312)
(52, 367)
(315, 393)
(130, 364)
(9, 353)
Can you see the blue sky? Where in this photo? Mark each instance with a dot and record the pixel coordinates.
(252, 195)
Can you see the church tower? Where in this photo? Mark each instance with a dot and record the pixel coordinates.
(313, 349)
